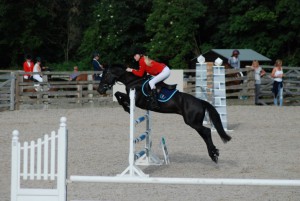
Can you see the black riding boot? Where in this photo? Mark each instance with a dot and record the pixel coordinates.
(153, 99)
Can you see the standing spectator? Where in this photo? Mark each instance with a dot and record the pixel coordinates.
(37, 69)
(97, 66)
(258, 73)
(28, 66)
(234, 61)
(277, 74)
(75, 74)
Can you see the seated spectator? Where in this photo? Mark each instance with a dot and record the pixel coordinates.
(28, 67)
(37, 69)
(75, 74)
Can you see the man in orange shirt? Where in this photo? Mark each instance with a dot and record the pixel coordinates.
(28, 66)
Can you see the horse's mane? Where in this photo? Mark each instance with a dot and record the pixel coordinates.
(121, 68)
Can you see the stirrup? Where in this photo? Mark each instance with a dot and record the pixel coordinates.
(154, 103)
(153, 100)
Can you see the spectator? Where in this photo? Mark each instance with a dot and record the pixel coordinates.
(75, 74)
(258, 73)
(37, 69)
(277, 74)
(28, 67)
(97, 66)
(234, 61)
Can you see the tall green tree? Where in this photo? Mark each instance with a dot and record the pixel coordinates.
(51, 29)
(287, 31)
(259, 25)
(116, 27)
(173, 27)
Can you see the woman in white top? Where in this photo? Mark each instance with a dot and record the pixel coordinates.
(277, 74)
(258, 73)
(37, 69)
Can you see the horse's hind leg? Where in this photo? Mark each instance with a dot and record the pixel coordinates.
(205, 133)
(195, 121)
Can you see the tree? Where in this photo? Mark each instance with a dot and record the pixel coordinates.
(259, 25)
(50, 29)
(116, 27)
(172, 27)
(287, 31)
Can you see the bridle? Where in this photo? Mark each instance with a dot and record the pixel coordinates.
(108, 79)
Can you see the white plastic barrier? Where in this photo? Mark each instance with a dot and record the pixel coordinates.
(145, 156)
(35, 165)
(38, 162)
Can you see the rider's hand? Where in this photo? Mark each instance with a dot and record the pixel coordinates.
(129, 70)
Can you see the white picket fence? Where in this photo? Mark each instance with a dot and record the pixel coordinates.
(46, 160)
(39, 160)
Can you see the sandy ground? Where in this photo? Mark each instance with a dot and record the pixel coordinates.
(265, 145)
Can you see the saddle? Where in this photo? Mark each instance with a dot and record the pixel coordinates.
(165, 91)
(160, 85)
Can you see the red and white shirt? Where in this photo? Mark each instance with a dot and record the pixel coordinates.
(153, 69)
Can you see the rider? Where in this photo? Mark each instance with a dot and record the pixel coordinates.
(160, 71)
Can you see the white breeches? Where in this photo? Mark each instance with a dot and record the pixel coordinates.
(160, 77)
(38, 78)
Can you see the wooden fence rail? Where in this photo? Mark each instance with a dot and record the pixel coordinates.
(245, 90)
(58, 91)
(7, 91)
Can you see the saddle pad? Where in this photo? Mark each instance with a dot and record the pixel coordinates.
(164, 94)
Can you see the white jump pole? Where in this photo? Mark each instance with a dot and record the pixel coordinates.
(186, 181)
(132, 170)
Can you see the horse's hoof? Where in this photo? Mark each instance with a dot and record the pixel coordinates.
(214, 155)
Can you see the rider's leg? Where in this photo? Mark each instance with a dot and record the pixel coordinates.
(153, 95)
(160, 77)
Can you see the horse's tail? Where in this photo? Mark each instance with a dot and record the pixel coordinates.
(216, 120)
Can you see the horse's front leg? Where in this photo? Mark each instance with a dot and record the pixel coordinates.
(123, 99)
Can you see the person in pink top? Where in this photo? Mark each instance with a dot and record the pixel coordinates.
(160, 71)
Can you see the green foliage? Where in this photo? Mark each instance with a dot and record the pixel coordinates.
(116, 27)
(68, 66)
(172, 26)
(65, 33)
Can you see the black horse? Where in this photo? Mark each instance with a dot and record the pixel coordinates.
(191, 108)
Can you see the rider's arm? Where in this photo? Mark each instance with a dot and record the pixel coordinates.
(139, 72)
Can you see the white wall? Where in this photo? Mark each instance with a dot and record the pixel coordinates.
(176, 77)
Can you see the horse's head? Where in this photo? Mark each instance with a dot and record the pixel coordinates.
(110, 75)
